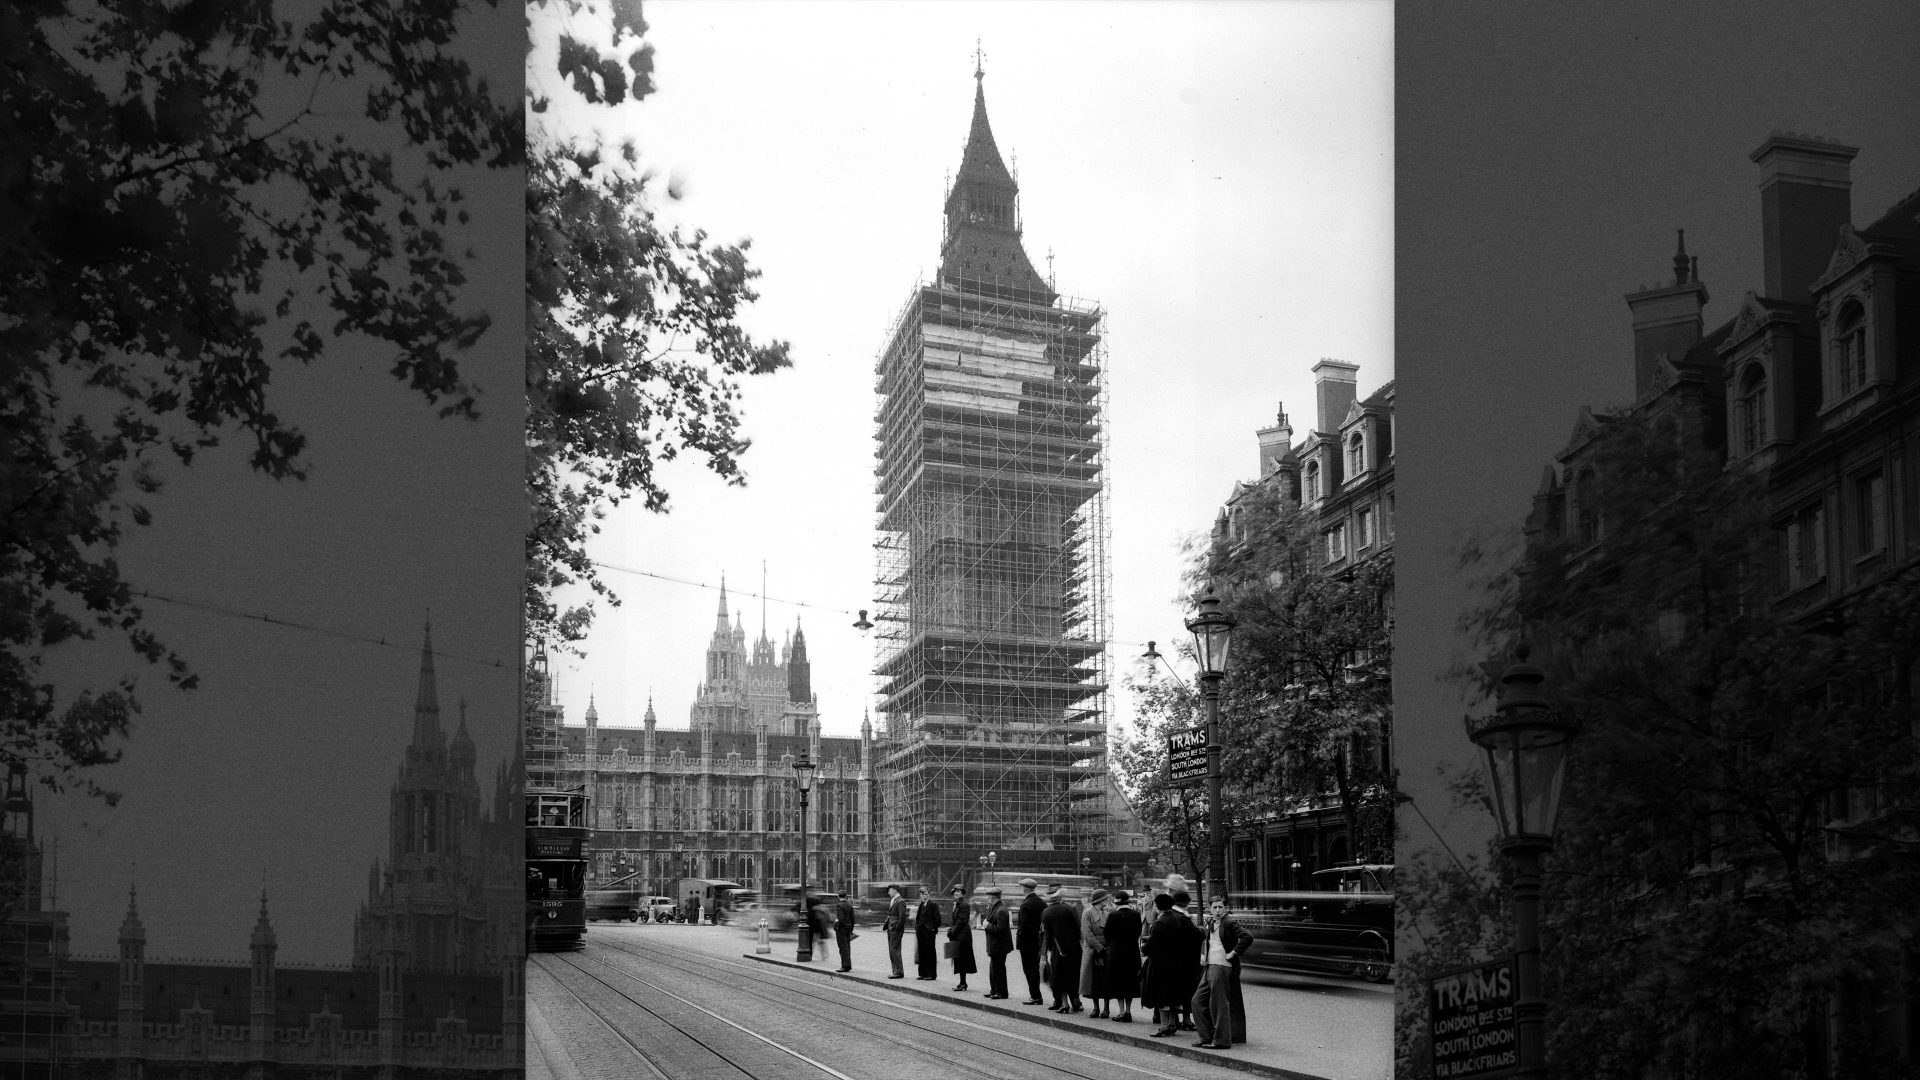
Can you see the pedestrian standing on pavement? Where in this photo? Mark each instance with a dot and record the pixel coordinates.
(1060, 943)
(1171, 946)
(999, 935)
(895, 926)
(1219, 1013)
(1028, 938)
(926, 924)
(1093, 955)
(960, 938)
(1122, 936)
(843, 931)
(1183, 904)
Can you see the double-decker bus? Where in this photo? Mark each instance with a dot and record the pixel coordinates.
(556, 869)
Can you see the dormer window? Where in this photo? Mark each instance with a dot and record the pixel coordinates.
(1850, 348)
(1750, 410)
(1310, 482)
(1356, 455)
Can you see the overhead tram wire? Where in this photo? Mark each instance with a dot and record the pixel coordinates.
(715, 588)
(344, 635)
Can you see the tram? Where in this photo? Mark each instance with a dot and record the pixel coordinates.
(556, 869)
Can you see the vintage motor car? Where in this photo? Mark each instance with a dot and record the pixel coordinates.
(1342, 926)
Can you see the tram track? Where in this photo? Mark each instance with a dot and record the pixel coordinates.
(662, 1062)
(937, 1036)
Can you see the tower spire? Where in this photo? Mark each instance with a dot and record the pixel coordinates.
(426, 701)
(981, 246)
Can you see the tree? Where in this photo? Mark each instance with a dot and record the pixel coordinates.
(1307, 702)
(1736, 841)
(180, 205)
(634, 347)
(1177, 816)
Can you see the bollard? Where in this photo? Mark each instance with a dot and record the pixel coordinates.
(766, 944)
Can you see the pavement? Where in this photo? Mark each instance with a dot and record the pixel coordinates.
(1299, 1027)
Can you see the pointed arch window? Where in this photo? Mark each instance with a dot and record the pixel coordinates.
(1750, 409)
(1586, 508)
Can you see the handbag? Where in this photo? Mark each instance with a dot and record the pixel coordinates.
(946, 950)
(1046, 968)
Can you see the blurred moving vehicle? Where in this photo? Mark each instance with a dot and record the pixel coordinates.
(709, 900)
(613, 905)
(781, 907)
(870, 904)
(1342, 926)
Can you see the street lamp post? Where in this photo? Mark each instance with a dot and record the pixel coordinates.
(1526, 745)
(1212, 631)
(803, 774)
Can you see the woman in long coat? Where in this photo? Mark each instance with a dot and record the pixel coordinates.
(1122, 935)
(961, 935)
(1172, 948)
(925, 921)
(1093, 953)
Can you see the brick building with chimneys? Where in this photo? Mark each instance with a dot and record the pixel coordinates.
(434, 989)
(1814, 386)
(1341, 472)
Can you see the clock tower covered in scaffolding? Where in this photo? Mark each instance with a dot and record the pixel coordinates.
(991, 565)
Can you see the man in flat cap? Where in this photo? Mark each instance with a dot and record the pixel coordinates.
(1028, 938)
(1060, 939)
(999, 943)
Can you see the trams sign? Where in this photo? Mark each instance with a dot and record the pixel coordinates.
(1474, 1033)
(1187, 756)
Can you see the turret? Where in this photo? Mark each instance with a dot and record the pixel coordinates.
(133, 999)
(260, 1013)
(799, 671)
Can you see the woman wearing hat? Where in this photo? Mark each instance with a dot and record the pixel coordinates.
(1122, 935)
(926, 920)
(960, 938)
(1093, 953)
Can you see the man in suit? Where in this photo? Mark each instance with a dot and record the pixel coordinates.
(895, 926)
(843, 931)
(1028, 938)
(1219, 1015)
(999, 934)
(1060, 938)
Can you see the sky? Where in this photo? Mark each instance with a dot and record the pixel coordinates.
(1217, 176)
(275, 772)
(1545, 161)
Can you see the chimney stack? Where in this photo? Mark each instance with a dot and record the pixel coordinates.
(1805, 196)
(1335, 385)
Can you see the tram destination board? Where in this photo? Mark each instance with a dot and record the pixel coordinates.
(1187, 756)
(1474, 1030)
(553, 847)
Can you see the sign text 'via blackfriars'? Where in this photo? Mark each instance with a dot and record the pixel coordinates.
(1187, 756)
